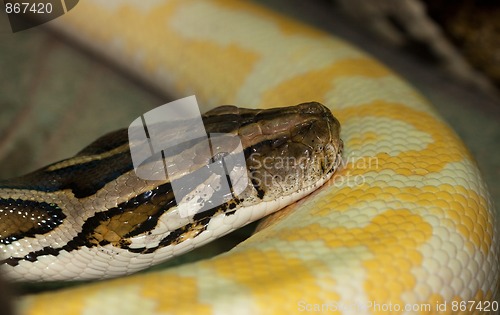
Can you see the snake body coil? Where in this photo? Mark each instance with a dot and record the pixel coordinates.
(404, 226)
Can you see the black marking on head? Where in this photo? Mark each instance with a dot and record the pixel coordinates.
(255, 183)
(232, 207)
(260, 191)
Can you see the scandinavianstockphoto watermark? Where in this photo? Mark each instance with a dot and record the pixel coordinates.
(293, 170)
(355, 307)
(374, 306)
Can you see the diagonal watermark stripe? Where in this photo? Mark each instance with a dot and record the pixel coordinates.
(170, 143)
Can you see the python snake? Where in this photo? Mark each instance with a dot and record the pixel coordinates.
(406, 222)
(93, 217)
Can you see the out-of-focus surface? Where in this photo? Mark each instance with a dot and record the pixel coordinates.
(460, 37)
(474, 27)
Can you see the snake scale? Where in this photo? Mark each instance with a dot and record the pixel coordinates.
(404, 226)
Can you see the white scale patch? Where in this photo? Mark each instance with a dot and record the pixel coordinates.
(110, 303)
(348, 92)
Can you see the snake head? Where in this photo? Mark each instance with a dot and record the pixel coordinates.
(287, 149)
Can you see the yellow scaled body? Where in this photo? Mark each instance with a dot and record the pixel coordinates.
(406, 224)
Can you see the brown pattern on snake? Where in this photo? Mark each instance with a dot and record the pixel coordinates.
(26, 218)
